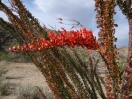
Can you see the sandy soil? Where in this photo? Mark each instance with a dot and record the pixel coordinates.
(22, 74)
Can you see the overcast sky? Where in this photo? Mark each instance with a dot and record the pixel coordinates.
(47, 11)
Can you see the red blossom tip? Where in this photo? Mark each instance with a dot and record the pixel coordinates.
(10, 49)
(59, 19)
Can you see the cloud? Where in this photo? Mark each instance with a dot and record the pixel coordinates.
(81, 10)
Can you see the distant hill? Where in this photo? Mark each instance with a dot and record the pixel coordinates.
(123, 52)
(5, 39)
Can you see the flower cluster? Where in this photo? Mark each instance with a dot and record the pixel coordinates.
(82, 37)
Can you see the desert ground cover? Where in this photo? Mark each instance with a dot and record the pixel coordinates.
(22, 75)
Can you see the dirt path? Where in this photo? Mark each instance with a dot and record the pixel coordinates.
(22, 74)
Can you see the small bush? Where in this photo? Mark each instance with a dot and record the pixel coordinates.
(4, 85)
(28, 92)
(2, 70)
(3, 56)
(31, 92)
(121, 63)
(13, 57)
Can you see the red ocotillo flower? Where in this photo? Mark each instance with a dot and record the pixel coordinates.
(82, 37)
(59, 19)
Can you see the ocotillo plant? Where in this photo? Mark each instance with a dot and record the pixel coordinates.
(67, 75)
(105, 14)
(125, 7)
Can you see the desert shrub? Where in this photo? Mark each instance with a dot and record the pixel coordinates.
(18, 57)
(2, 70)
(28, 92)
(13, 57)
(3, 56)
(4, 85)
(122, 64)
(31, 92)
